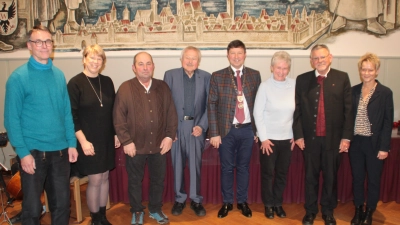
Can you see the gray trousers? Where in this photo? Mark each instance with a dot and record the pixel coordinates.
(190, 148)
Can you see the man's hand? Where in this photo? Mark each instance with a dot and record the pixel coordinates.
(344, 145)
(197, 131)
(130, 149)
(266, 147)
(300, 142)
(72, 155)
(215, 141)
(166, 145)
(382, 155)
(28, 164)
(87, 148)
(117, 143)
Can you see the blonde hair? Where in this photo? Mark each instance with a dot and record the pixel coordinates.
(369, 57)
(95, 49)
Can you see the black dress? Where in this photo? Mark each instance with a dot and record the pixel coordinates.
(94, 120)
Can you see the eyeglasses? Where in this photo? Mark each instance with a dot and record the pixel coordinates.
(319, 58)
(39, 43)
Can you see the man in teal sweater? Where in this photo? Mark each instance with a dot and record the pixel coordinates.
(37, 116)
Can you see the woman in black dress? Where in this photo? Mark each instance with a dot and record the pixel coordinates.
(92, 99)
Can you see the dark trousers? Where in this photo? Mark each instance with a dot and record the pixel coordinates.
(235, 151)
(275, 165)
(363, 161)
(319, 157)
(52, 174)
(190, 148)
(135, 169)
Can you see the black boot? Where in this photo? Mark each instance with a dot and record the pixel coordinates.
(103, 218)
(368, 216)
(95, 218)
(358, 215)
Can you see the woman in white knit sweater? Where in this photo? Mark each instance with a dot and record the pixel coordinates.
(273, 115)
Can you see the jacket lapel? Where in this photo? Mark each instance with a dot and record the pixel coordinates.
(199, 83)
(376, 93)
(180, 84)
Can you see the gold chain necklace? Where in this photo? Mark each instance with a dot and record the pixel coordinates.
(101, 97)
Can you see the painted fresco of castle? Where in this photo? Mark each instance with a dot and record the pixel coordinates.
(191, 26)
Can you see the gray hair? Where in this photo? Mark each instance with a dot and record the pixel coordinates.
(191, 48)
(281, 55)
(319, 46)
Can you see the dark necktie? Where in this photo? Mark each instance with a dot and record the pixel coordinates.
(321, 125)
(240, 99)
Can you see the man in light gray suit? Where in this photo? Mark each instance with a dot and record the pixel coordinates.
(189, 86)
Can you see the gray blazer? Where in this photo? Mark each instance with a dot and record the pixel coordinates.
(174, 79)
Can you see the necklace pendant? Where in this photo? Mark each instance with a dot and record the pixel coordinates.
(101, 105)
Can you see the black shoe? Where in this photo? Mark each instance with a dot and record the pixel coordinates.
(226, 207)
(177, 208)
(269, 212)
(246, 211)
(280, 212)
(329, 219)
(358, 216)
(368, 216)
(308, 219)
(198, 208)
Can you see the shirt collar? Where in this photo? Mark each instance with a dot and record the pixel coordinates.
(325, 75)
(147, 88)
(234, 70)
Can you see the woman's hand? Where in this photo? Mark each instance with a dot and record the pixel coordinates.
(117, 144)
(266, 147)
(87, 148)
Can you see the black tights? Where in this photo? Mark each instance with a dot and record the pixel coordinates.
(97, 191)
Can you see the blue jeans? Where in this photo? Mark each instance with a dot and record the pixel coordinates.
(235, 151)
(52, 174)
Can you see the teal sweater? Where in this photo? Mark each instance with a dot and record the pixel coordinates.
(37, 111)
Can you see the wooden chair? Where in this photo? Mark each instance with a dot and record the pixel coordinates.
(76, 183)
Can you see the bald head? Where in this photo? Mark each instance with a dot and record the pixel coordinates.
(139, 54)
(143, 67)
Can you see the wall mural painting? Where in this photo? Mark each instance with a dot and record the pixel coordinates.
(207, 24)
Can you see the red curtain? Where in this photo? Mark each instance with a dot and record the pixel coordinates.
(294, 191)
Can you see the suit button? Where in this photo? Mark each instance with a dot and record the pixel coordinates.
(317, 92)
(315, 115)
(313, 138)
